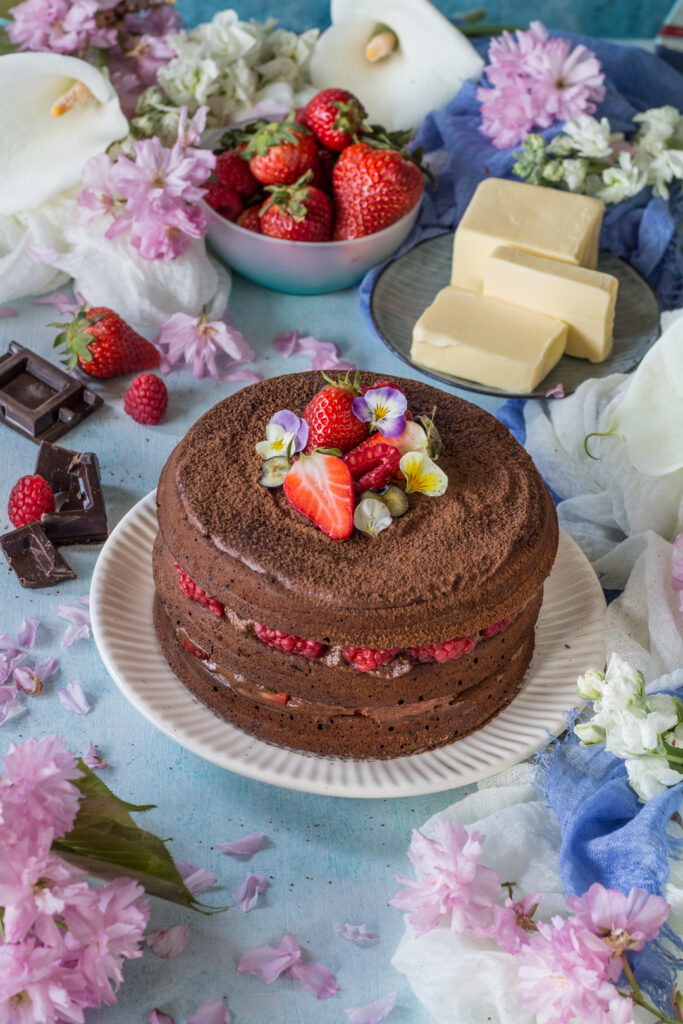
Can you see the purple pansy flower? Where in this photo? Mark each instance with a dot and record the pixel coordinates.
(293, 425)
(384, 409)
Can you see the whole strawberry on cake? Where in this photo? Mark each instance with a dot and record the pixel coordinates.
(351, 567)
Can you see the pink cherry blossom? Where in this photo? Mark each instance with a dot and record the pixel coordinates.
(507, 114)
(97, 198)
(512, 923)
(37, 785)
(563, 972)
(197, 880)
(211, 1012)
(199, 342)
(268, 963)
(566, 81)
(35, 987)
(35, 886)
(249, 891)
(371, 1013)
(623, 922)
(243, 847)
(452, 882)
(170, 942)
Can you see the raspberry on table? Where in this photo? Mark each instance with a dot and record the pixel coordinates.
(447, 650)
(367, 659)
(146, 400)
(288, 643)
(30, 497)
(195, 593)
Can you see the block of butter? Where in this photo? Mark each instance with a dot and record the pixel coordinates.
(584, 299)
(488, 341)
(544, 221)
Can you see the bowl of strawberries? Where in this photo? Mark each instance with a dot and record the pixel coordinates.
(309, 204)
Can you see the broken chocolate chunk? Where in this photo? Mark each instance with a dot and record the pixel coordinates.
(81, 518)
(38, 399)
(34, 558)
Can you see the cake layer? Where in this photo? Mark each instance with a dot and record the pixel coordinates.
(232, 646)
(330, 729)
(447, 568)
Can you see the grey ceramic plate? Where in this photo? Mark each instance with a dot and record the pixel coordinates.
(410, 283)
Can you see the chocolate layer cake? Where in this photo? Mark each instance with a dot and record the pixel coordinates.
(267, 642)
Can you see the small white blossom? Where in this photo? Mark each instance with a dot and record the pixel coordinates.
(649, 776)
(622, 180)
(574, 172)
(635, 732)
(664, 168)
(589, 137)
(657, 127)
(590, 684)
(589, 734)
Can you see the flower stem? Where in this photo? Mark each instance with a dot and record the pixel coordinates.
(637, 995)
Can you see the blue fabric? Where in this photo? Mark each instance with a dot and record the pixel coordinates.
(611, 838)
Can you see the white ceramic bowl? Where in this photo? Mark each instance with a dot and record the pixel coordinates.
(305, 268)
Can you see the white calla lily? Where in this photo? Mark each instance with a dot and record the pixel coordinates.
(398, 80)
(56, 113)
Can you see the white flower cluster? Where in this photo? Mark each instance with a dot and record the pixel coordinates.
(646, 731)
(588, 157)
(230, 65)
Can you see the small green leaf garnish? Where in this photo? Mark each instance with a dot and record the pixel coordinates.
(434, 442)
(344, 382)
(328, 451)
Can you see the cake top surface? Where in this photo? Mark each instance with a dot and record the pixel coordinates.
(494, 522)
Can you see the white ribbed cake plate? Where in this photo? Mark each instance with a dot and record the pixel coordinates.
(570, 638)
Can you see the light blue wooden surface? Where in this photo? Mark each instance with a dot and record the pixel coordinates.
(327, 859)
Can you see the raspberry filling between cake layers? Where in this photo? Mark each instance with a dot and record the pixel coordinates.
(397, 661)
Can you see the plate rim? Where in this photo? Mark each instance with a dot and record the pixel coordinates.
(344, 788)
(460, 382)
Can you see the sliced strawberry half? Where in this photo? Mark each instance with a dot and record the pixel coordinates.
(372, 466)
(321, 488)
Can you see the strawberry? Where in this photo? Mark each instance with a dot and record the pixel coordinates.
(320, 487)
(299, 212)
(366, 659)
(224, 200)
(232, 170)
(382, 384)
(335, 116)
(28, 499)
(250, 219)
(288, 643)
(330, 418)
(372, 189)
(104, 345)
(372, 467)
(447, 650)
(280, 152)
(146, 400)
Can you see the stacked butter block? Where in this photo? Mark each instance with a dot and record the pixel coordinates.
(524, 289)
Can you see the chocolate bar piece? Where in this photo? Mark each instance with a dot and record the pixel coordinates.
(34, 557)
(38, 399)
(81, 517)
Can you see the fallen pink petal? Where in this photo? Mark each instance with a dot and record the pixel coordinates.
(10, 707)
(62, 303)
(28, 681)
(269, 962)
(7, 311)
(79, 617)
(249, 891)
(243, 374)
(197, 880)
(170, 942)
(242, 847)
(42, 253)
(28, 631)
(372, 1013)
(73, 699)
(556, 392)
(286, 344)
(159, 1017)
(317, 978)
(7, 646)
(355, 933)
(93, 760)
(211, 1012)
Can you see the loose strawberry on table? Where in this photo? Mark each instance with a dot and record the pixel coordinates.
(373, 188)
(299, 212)
(104, 345)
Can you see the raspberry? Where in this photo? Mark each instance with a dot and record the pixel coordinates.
(233, 172)
(195, 593)
(146, 400)
(197, 652)
(497, 627)
(224, 200)
(366, 659)
(288, 643)
(448, 650)
(28, 499)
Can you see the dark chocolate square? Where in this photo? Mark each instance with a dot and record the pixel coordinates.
(81, 518)
(34, 558)
(38, 399)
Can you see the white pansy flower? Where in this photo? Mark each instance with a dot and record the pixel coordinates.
(278, 441)
(649, 776)
(574, 172)
(657, 126)
(371, 516)
(589, 734)
(622, 181)
(590, 684)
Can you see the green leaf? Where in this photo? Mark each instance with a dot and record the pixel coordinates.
(106, 842)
